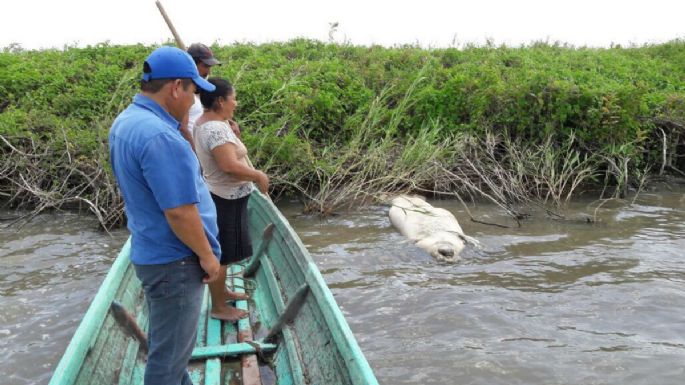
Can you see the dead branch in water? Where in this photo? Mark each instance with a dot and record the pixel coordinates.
(510, 174)
(43, 177)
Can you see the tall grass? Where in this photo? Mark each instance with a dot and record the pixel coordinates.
(339, 124)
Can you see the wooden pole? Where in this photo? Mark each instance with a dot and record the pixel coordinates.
(179, 44)
(177, 37)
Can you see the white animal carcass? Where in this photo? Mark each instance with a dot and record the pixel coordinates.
(433, 229)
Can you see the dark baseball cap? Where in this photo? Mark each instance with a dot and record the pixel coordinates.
(173, 63)
(201, 52)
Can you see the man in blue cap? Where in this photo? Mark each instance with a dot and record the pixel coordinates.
(170, 213)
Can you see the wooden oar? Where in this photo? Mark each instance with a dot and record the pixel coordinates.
(126, 321)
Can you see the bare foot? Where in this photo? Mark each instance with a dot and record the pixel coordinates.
(229, 314)
(235, 296)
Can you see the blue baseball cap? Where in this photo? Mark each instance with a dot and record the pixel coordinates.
(173, 63)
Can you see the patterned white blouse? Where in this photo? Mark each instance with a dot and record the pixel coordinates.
(207, 137)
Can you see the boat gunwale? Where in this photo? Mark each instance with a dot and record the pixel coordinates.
(89, 328)
(359, 370)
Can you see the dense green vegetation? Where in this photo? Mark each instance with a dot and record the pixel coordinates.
(335, 122)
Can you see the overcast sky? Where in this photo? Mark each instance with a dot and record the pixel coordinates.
(430, 23)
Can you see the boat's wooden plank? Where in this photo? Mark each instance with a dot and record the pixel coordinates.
(274, 289)
(286, 264)
(358, 368)
(321, 359)
(107, 371)
(229, 376)
(230, 365)
(287, 361)
(320, 355)
(130, 295)
(138, 373)
(250, 366)
(322, 301)
(263, 307)
(317, 348)
(213, 365)
(131, 299)
(213, 330)
(290, 272)
(294, 369)
(202, 323)
(195, 375)
(213, 371)
(103, 363)
(90, 368)
(253, 264)
(231, 350)
(143, 317)
(230, 333)
(129, 364)
(290, 313)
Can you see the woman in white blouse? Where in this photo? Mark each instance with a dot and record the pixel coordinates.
(229, 177)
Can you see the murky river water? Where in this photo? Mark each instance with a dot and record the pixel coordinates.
(552, 302)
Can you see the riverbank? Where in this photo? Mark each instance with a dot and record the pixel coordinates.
(338, 124)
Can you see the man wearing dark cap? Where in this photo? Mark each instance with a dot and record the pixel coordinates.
(171, 216)
(204, 60)
(201, 53)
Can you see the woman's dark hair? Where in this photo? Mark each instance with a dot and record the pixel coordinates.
(224, 89)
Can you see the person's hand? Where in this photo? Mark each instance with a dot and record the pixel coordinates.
(211, 267)
(262, 183)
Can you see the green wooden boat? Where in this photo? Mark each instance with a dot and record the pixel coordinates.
(296, 334)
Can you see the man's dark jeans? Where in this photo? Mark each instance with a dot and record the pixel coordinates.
(173, 293)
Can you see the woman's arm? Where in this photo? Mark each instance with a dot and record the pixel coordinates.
(227, 160)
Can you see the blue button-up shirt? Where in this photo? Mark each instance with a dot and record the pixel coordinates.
(156, 170)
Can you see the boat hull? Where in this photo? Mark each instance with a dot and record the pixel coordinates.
(310, 344)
